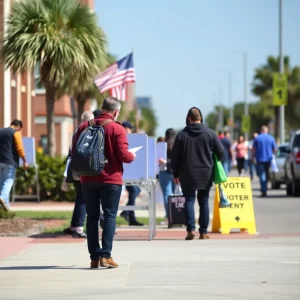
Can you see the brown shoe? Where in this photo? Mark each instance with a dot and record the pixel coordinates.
(203, 236)
(95, 264)
(190, 236)
(108, 263)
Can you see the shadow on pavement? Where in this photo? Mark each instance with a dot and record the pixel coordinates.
(28, 268)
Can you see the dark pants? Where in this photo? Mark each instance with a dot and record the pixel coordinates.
(110, 198)
(251, 166)
(262, 169)
(79, 211)
(240, 164)
(133, 192)
(202, 196)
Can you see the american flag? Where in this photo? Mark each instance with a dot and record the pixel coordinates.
(115, 77)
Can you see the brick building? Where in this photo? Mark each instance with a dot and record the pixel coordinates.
(21, 97)
(16, 91)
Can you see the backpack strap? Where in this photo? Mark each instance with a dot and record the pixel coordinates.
(92, 122)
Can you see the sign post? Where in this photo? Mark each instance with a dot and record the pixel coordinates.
(280, 89)
(246, 123)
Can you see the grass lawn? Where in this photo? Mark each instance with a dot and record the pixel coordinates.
(67, 215)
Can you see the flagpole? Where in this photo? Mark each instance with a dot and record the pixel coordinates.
(137, 121)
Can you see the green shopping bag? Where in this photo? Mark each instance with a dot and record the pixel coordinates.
(219, 172)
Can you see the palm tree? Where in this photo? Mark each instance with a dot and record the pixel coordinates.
(263, 82)
(61, 37)
(148, 121)
(262, 87)
(84, 91)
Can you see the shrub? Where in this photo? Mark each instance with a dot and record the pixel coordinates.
(6, 214)
(50, 171)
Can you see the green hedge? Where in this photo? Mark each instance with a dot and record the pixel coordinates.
(50, 171)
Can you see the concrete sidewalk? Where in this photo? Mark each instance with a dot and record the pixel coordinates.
(211, 269)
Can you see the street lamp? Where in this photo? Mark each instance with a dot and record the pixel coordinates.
(281, 71)
(246, 107)
(231, 113)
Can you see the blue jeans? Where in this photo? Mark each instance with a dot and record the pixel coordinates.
(167, 185)
(226, 165)
(202, 196)
(251, 168)
(262, 169)
(7, 177)
(133, 192)
(79, 211)
(110, 198)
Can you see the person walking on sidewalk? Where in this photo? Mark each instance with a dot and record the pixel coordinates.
(264, 146)
(11, 150)
(133, 191)
(192, 164)
(107, 186)
(79, 212)
(241, 151)
(165, 176)
(227, 158)
(250, 147)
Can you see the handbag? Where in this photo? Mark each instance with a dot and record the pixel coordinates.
(219, 172)
(71, 176)
(176, 208)
(274, 166)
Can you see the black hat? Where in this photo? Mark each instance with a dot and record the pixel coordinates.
(97, 113)
(127, 124)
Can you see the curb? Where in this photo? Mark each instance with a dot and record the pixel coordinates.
(36, 229)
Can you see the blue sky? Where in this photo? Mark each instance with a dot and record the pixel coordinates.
(184, 49)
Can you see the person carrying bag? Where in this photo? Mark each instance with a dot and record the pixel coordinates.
(219, 178)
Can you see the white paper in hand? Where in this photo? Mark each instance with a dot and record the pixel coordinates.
(136, 149)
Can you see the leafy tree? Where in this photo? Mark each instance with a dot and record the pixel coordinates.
(148, 121)
(261, 113)
(60, 36)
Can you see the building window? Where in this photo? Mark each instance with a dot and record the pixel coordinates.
(38, 87)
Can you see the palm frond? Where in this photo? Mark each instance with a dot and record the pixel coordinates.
(62, 36)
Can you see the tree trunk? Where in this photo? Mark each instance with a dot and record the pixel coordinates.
(80, 108)
(50, 101)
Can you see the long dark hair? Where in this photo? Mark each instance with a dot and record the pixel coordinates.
(170, 137)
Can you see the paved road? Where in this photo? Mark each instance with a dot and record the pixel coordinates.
(215, 269)
(276, 213)
(263, 267)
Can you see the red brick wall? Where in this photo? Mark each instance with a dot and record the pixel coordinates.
(41, 129)
(62, 106)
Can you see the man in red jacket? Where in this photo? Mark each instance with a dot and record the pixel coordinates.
(107, 186)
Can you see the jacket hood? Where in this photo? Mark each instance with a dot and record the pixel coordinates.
(195, 129)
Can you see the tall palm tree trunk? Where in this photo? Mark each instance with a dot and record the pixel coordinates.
(50, 101)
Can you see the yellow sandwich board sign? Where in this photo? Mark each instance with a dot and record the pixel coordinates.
(240, 214)
(280, 87)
